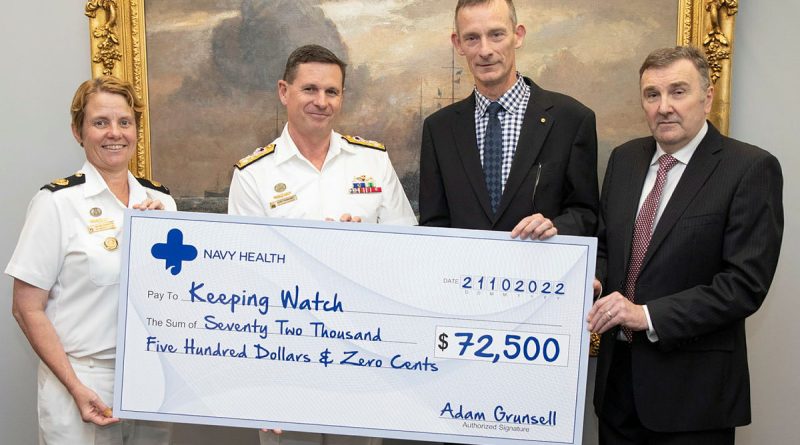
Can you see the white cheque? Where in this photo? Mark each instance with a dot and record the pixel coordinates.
(403, 332)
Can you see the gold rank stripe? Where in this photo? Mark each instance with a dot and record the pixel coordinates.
(258, 154)
(357, 140)
(62, 183)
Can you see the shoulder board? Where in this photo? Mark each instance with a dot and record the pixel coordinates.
(63, 183)
(258, 154)
(155, 185)
(358, 140)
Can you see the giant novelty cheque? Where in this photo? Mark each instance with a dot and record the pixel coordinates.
(403, 332)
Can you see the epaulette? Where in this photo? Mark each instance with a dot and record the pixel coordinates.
(155, 185)
(358, 140)
(258, 154)
(63, 183)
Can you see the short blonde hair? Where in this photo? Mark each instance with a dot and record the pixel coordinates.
(512, 11)
(105, 84)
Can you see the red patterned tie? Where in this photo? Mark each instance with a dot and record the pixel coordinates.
(643, 230)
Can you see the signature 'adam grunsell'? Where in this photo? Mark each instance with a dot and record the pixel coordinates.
(499, 415)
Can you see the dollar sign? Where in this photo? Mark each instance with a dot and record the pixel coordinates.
(443, 341)
(323, 357)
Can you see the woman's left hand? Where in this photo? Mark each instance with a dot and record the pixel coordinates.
(149, 204)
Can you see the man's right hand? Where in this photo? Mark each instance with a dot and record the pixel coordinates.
(346, 217)
(535, 227)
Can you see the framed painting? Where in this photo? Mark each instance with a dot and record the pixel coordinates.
(207, 71)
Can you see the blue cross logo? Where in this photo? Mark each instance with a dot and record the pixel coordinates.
(174, 252)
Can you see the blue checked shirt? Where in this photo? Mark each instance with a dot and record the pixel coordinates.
(514, 102)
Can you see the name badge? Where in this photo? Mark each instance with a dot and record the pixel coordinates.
(101, 224)
(281, 199)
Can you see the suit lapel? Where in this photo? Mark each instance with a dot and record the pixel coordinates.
(467, 149)
(701, 166)
(535, 127)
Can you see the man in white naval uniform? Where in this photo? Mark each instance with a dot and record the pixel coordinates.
(312, 172)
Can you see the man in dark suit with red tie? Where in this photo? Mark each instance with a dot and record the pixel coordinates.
(689, 236)
(512, 156)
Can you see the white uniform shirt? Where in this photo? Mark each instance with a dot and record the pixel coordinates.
(284, 184)
(57, 252)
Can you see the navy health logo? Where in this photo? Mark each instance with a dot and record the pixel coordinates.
(174, 252)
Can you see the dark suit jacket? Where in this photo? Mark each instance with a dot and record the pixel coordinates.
(558, 136)
(709, 265)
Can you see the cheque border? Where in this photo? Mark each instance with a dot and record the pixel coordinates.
(588, 244)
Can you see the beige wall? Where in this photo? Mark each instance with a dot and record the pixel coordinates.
(764, 102)
(45, 56)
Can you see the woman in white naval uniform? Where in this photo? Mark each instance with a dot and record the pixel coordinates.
(66, 273)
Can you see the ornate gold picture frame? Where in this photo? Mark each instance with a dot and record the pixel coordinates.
(119, 47)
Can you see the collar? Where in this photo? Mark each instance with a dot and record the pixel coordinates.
(511, 100)
(684, 154)
(286, 148)
(95, 185)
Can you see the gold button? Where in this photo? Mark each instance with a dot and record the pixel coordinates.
(111, 243)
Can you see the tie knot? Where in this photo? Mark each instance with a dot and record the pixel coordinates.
(666, 162)
(494, 108)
